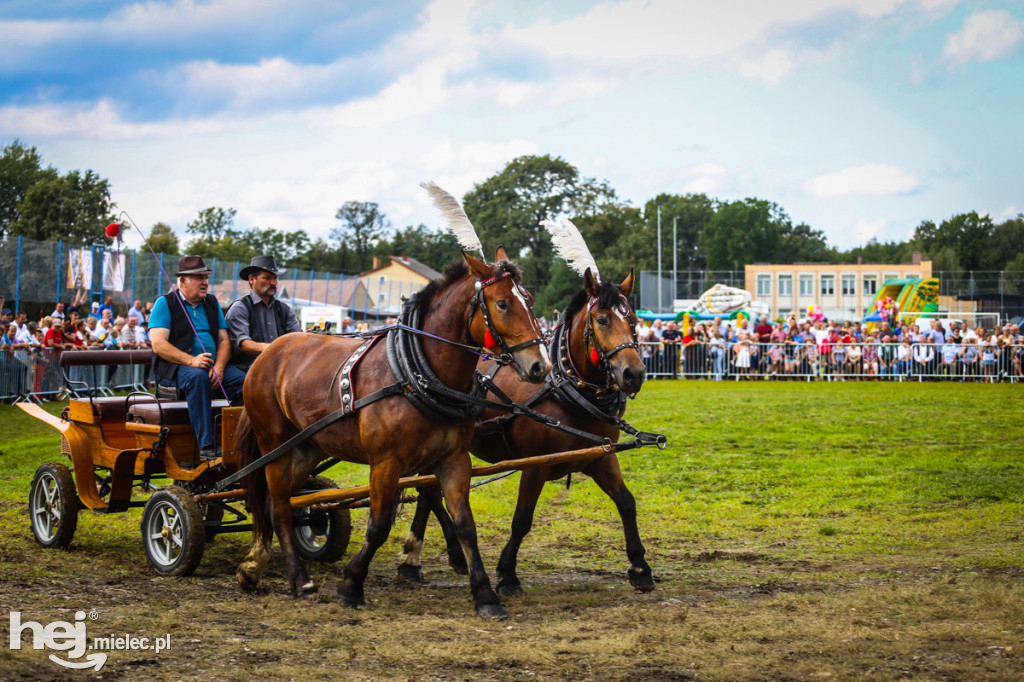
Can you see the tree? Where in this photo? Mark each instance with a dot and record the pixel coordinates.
(967, 235)
(75, 207)
(742, 232)
(803, 244)
(286, 247)
(363, 225)
(21, 167)
(507, 209)
(1006, 244)
(213, 223)
(163, 240)
(435, 248)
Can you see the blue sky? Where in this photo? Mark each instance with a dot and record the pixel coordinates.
(859, 117)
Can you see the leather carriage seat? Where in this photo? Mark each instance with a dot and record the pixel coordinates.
(109, 409)
(173, 413)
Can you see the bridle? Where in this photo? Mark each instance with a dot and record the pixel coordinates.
(492, 339)
(591, 345)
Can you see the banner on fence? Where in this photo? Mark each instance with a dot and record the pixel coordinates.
(79, 268)
(113, 271)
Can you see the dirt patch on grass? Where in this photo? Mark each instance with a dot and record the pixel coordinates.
(723, 614)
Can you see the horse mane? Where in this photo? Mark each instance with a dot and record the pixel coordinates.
(453, 272)
(607, 297)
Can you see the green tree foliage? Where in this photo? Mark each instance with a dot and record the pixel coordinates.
(75, 207)
(876, 252)
(363, 225)
(218, 238)
(1006, 245)
(741, 232)
(163, 240)
(507, 208)
(965, 236)
(435, 248)
(688, 215)
(21, 167)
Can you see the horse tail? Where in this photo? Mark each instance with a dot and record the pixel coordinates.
(247, 451)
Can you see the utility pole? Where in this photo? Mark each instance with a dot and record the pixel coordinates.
(660, 287)
(675, 268)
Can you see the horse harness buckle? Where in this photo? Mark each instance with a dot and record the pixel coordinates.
(346, 389)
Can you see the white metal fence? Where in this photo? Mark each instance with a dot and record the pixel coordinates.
(839, 362)
(36, 375)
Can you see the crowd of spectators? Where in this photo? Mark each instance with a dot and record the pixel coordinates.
(832, 350)
(28, 349)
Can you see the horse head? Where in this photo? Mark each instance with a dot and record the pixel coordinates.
(501, 318)
(609, 335)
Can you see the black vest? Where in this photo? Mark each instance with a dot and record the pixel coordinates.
(244, 360)
(181, 335)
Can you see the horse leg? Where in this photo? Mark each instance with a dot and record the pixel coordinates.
(608, 476)
(531, 484)
(430, 500)
(454, 475)
(250, 570)
(410, 568)
(279, 483)
(383, 490)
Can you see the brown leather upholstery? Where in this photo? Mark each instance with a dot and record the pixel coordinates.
(173, 413)
(113, 408)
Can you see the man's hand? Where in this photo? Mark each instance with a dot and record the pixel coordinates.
(202, 361)
(216, 372)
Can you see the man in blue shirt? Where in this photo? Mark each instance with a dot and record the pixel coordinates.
(192, 349)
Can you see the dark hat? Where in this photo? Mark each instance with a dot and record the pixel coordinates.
(259, 263)
(192, 265)
(5, 311)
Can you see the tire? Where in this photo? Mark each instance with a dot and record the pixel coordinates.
(53, 505)
(325, 537)
(173, 534)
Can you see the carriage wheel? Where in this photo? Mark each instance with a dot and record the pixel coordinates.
(173, 532)
(53, 505)
(326, 536)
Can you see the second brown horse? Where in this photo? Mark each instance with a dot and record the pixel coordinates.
(295, 382)
(595, 350)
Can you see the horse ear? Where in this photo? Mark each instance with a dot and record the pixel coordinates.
(477, 266)
(626, 288)
(590, 283)
(500, 255)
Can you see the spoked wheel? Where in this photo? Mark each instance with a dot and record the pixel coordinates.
(172, 531)
(53, 505)
(325, 537)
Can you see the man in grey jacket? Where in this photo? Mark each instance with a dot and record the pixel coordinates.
(256, 319)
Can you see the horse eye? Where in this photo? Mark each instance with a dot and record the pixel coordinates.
(502, 305)
(603, 320)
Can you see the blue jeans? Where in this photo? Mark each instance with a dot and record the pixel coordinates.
(200, 393)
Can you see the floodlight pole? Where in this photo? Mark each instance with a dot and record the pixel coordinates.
(675, 267)
(660, 287)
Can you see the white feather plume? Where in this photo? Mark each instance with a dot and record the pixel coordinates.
(458, 221)
(570, 246)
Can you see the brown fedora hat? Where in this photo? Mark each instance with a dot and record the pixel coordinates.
(192, 265)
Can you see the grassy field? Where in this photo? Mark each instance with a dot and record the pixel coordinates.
(798, 531)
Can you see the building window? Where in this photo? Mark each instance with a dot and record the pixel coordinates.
(828, 285)
(785, 285)
(764, 285)
(807, 285)
(849, 285)
(890, 275)
(870, 285)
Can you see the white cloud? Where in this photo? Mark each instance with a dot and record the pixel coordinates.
(774, 65)
(866, 230)
(706, 178)
(985, 36)
(1008, 213)
(872, 179)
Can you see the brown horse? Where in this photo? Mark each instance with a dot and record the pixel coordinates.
(295, 382)
(595, 351)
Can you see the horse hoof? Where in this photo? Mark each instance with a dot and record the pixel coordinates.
(245, 581)
(350, 601)
(309, 593)
(413, 574)
(491, 611)
(510, 590)
(643, 581)
(458, 564)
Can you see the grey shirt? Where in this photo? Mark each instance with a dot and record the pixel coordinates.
(240, 327)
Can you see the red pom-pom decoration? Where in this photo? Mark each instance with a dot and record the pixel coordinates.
(594, 357)
(489, 341)
(113, 230)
